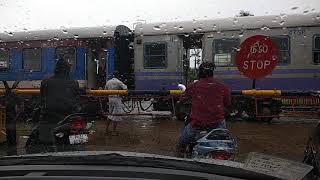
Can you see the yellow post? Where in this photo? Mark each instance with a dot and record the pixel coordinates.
(107, 92)
(26, 91)
(172, 92)
(254, 92)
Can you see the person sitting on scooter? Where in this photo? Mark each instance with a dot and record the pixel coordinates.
(59, 96)
(209, 98)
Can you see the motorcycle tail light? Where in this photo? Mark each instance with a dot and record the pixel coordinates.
(78, 123)
(220, 155)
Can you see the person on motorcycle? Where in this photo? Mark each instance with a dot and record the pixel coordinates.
(59, 97)
(209, 99)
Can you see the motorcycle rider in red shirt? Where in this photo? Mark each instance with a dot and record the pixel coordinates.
(209, 99)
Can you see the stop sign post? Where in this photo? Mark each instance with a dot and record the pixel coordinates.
(257, 57)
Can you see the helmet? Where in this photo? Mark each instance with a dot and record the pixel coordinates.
(206, 69)
(62, 67)
(116, 74)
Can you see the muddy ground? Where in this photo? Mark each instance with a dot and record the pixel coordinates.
(284, 138)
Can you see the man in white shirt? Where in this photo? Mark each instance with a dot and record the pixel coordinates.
(115, 104)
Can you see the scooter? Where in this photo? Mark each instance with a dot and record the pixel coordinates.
(215, 144)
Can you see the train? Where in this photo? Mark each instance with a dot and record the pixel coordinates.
(156, 56)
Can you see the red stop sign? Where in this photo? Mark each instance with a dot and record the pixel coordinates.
(257, 57)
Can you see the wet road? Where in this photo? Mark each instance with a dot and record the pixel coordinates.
(159, 136)
(285, 138)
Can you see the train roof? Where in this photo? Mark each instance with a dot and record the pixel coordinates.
(62, 33)
(227, 24)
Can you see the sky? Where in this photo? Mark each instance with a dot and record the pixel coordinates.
(21, 15)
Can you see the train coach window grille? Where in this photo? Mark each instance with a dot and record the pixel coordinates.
(316, 50)
(4, 59)
(283, 43)
(224, 51)
(67, 53)
(155, 55)
(32, 59)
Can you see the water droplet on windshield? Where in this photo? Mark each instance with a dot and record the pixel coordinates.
(9, 33)
(180, 28)
(25, 29)
(199, 28)
(157, 28)
(194, 30)
(235, 20)
(186, 35)
(163, 24)
(282, 23)
(305, 12)
(241, 34)
(56, 38)
(214, 27)
(313, 9)
(175, 27)
(65, 31)
(76, 36)
(282, 15)
(318, 17)
(294, 8)
(218, 32)
(194, 21)
(265, 28)
(210, 36)
(284, 28)
(104, 32)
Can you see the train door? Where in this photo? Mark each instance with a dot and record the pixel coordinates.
(97, 58)
(192, 56)
(124, 55)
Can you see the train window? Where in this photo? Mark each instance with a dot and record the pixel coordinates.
(155, 55)
(224, 51)
(4, 60)
(316, 50)
(67, 53)
(283, 43)
(32, 59)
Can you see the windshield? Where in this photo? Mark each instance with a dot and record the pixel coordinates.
(190, 79)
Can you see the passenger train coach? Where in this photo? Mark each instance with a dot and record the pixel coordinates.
(161, 50)
(29, 57)
(156, 56)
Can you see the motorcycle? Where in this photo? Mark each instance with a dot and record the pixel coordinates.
(70, 134)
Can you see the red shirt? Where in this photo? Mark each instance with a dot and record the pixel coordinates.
(209, 97)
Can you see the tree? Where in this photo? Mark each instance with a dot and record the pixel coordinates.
(243, 13)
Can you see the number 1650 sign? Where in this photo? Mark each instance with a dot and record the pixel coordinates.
(257, 57)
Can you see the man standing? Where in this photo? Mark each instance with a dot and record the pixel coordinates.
(115, 104)
(209, 98)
